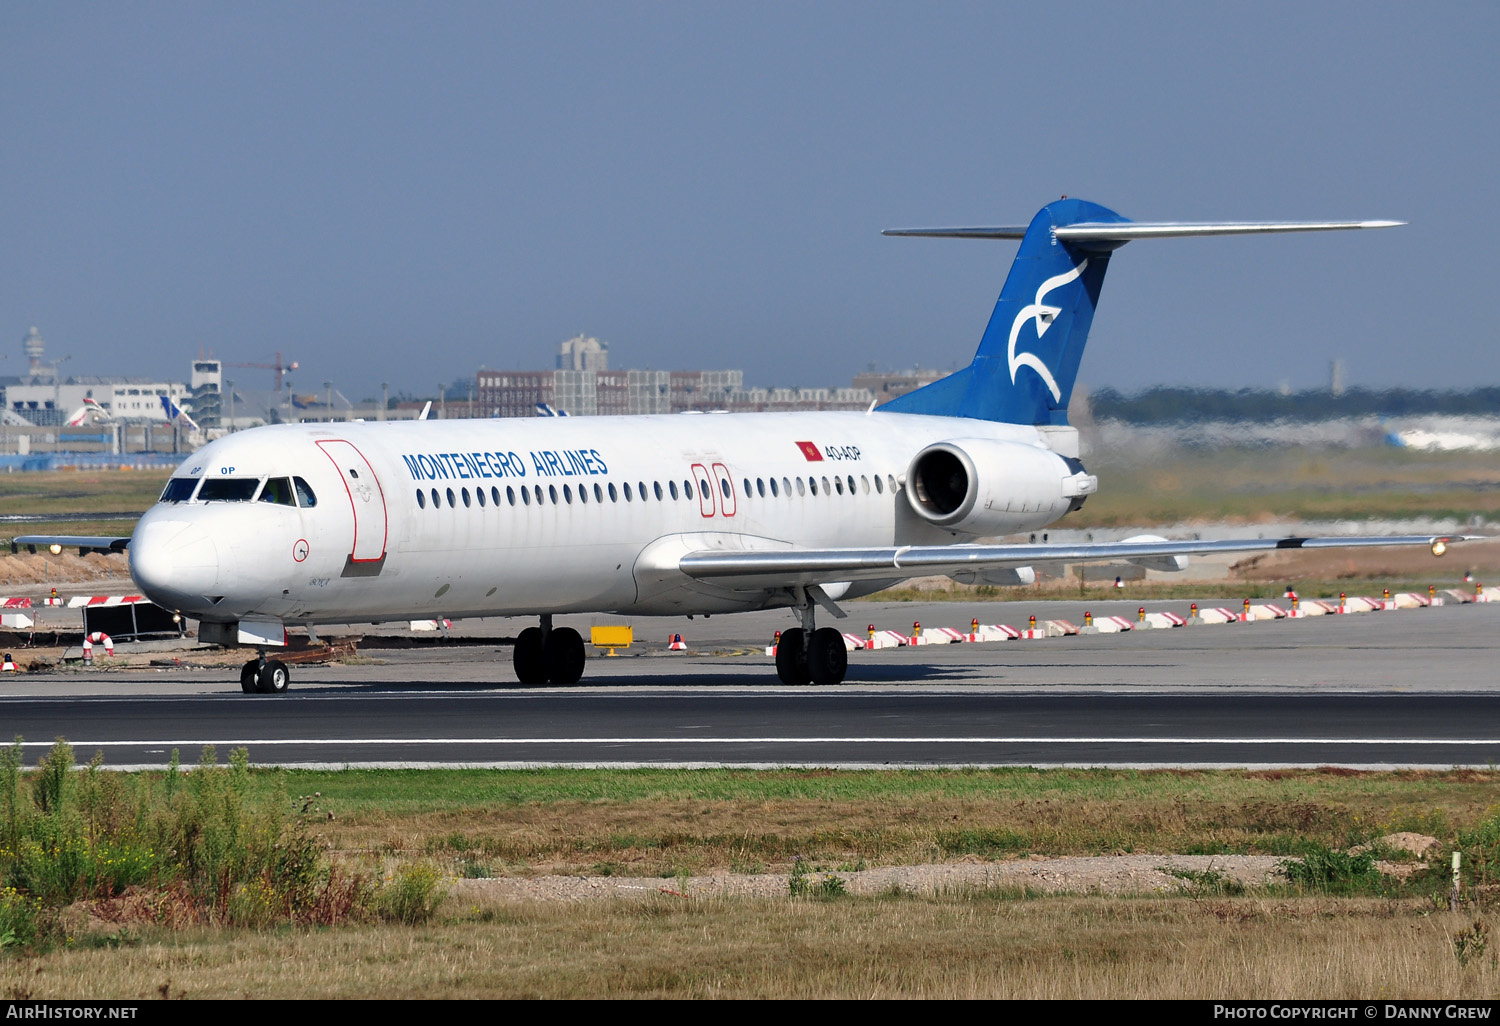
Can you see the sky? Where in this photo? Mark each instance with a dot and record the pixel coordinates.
(404, 193)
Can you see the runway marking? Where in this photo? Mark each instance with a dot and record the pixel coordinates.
(905, 740)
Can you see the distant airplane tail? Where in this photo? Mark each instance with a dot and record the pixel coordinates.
(1028, 358)
(175, 414)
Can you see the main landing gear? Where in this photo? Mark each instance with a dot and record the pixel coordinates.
(262, 676)
(809, 655)
(549, 654)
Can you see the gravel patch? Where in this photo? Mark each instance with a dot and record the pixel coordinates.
(1107, 874)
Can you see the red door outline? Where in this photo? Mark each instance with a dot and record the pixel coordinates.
(701, 479)
(375, 522)
(730, 505)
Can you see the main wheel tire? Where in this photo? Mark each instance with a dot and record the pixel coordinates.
(827, 658)
(248, 683)
(565, 656)
(791, 657)
(274, 677)
(527, 659)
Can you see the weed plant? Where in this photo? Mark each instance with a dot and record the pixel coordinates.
(178, 848)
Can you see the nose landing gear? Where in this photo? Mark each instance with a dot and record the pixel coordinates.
(262, 676)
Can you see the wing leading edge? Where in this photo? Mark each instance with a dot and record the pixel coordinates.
(802, 567)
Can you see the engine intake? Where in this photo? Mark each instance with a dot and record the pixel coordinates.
(978, 486)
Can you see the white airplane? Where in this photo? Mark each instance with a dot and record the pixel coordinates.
(336, 523)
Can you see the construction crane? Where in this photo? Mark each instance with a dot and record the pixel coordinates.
(280, 368)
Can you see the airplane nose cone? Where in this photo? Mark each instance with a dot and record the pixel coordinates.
(176, 565)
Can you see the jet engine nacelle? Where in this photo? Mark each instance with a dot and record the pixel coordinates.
(977, 487)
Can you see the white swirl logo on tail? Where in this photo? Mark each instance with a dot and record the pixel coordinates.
(1043, 315)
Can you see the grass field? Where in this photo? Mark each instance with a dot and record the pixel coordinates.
(1365, 936)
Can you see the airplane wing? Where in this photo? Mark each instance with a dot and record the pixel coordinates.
(84, 543)
(803, 567)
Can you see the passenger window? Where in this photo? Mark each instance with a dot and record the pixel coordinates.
(479, 494)
(552, 493)
(614, 496)
(179, 489)
(465, 492)
(747, 488)
(437, 503)
(801, 488)
(864, 484)
(672, 487)
(812, 484)
(838, 484)
(538, 494)
(724, 487)
(774, 492)
(687, 489)
(640, 488)
(495, 496)
(656, 486)
(627, 492)
(598, 492)
(826, 489)
(879, 488)
(567, 495)
(760, 486)
(228, 489)
(786, 486)
(525, 496)
(421, 500)
(451, 503)
(305, 497)
(510, 494)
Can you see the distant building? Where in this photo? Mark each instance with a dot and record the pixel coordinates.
(887, 385)
(583, 354)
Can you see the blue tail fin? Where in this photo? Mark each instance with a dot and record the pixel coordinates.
(1028, 359)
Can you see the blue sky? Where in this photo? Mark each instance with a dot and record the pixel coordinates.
(403, 193)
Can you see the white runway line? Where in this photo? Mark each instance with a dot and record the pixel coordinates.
(262, 742)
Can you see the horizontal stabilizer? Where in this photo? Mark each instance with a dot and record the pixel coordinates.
(1125, 231)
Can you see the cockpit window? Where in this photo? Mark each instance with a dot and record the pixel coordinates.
(279, 491)
(228, 489)
(179, 489)
(305, 496)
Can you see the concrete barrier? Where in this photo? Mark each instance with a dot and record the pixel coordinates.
(1218, 614)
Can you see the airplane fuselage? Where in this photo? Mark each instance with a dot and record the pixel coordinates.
(308, 524)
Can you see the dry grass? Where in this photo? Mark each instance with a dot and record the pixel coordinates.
(963, 946)
(1259, 486)
(644, 823)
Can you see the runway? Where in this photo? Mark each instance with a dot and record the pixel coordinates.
(1413, 689)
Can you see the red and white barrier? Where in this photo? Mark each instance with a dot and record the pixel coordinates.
(676, 644)
(1113, 624)
(1060, 628)
(1165, 619)
(9, 665)
(104, 600)
(1218, 614)
(937, 636)
(1267, 611)
(431, 625)
(993, 632)
(15, 603)
(853, 642)
(887, 639)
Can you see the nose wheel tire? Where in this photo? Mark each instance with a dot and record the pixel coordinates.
(564, 656)
(273, 678)
(791, 657)
(530, 667)
(827, 658)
